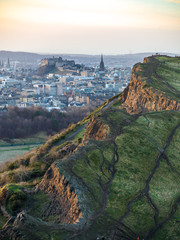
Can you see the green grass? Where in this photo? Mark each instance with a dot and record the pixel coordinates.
(40, 199)
(90, 177)
(36, 138)
(170, 230)
(80, 134)
(13, 187)
(161, 74)
(164, 194)
(116, 120)
(40, 137)
(14, 152)
(168, 72)
(156, 126)
(2, 220)
(141, 215)
(173, 152)
(138, 148)
(15, 199)
(170, 76)
(134, 153)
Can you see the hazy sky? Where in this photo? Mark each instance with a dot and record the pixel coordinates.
(90, 26)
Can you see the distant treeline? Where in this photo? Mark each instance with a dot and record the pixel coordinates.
(24, 122)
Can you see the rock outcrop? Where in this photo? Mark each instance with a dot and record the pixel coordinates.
(138, 98)
(63, 203)
(96, 129)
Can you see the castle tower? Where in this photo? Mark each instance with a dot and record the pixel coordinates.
(101, 67)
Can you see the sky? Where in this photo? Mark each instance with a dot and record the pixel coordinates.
(90, 26)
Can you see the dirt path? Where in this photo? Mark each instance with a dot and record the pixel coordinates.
(160, 225)
(145, 192)
(71, 136)
(105, 186)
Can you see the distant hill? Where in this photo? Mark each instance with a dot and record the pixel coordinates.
(126, 60)
(114, 175)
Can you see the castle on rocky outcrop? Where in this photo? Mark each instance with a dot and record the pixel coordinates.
(57, 62)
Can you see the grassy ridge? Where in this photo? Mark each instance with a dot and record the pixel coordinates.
(138, 147)
(162, 74)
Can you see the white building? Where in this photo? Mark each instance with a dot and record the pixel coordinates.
(10, 82)
(39, 88)
(50, 89)
(59, 89)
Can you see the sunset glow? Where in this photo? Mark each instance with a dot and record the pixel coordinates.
(46, 19)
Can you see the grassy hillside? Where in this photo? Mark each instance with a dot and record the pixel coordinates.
(127, 184)
(163, 74)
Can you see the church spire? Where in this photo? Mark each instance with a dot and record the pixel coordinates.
(101, 68)
(101, 57)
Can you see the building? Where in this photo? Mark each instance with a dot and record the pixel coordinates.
(50, 89)
(116, 77)
(101, 67)
(59, 89)
(10, 82)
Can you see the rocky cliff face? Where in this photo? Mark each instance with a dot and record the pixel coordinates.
(138, 97)
(96, 129)
(63, 203)
(45, 69)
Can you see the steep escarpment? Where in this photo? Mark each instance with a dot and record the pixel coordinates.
(143, 94)
(63, 206)
(96, 129)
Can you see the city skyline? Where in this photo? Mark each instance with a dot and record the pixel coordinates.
(111, 27)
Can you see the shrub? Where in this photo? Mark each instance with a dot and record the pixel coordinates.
(16, 201)
(12, 165)
(19, 175)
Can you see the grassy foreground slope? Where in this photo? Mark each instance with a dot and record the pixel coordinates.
(122, 185)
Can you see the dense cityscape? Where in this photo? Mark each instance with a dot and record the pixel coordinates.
(58, 83)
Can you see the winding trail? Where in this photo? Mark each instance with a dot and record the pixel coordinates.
(160, 225)
(145, 192)
(105, 187)
(71, 136)
(170, 165)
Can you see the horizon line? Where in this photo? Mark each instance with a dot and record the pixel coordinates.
(44, 53)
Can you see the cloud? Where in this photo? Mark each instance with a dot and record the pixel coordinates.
(173, 1)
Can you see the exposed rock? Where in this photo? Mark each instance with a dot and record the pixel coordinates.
(96, 129)
(42, 70)
(63, 199)
(137, 98)
(3, 195)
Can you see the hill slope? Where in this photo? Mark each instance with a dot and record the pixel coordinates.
(115, 177)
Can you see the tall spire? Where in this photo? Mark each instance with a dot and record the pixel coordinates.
(101, 68)
(101, 57)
